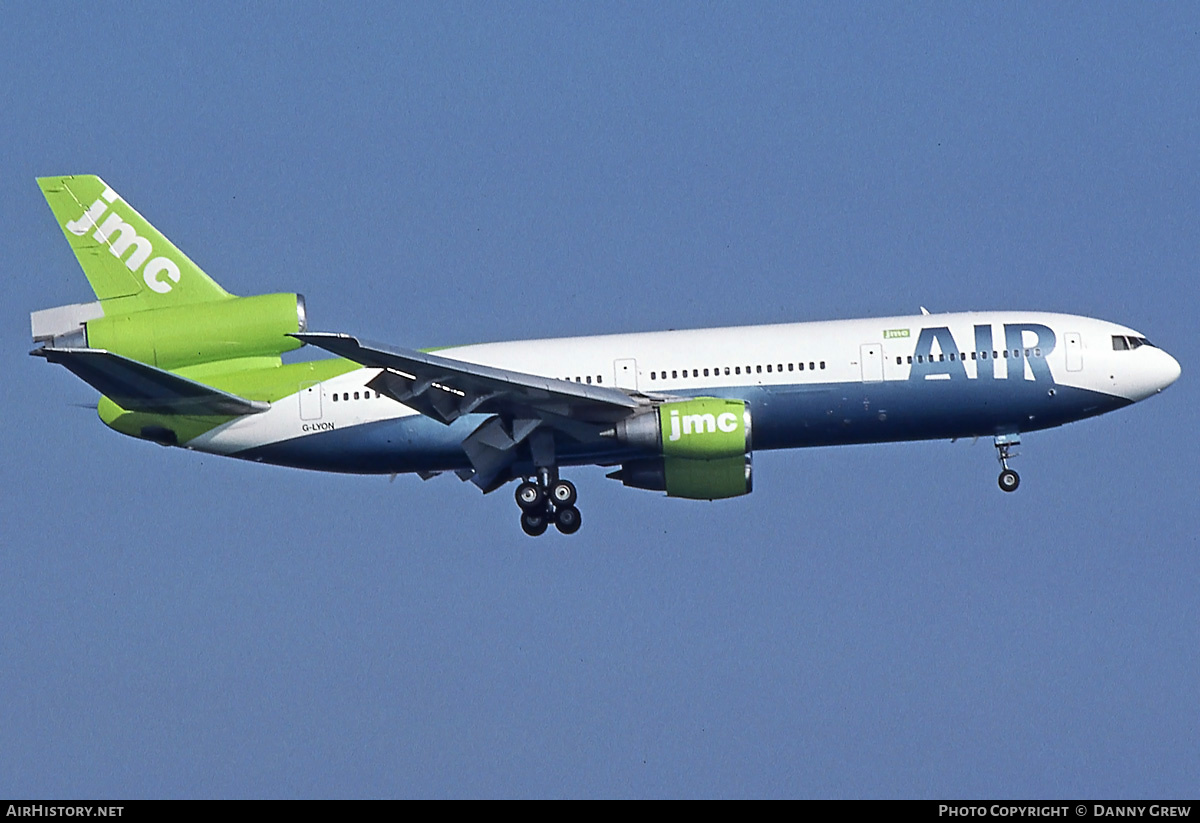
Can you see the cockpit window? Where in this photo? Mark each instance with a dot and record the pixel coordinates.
(1121, 343)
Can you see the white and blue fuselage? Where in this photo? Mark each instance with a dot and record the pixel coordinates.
(808, 384)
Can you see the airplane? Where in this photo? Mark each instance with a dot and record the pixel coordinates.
(181, 362)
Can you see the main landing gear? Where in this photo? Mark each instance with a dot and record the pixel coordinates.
(1009, 479)
(547, 500)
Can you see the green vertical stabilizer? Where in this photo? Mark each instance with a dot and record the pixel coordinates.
(130, 265)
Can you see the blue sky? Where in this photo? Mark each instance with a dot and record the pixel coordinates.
(871, 621)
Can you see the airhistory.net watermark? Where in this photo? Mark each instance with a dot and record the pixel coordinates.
(42, 810)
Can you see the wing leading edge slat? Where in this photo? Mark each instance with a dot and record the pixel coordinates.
(445, 389)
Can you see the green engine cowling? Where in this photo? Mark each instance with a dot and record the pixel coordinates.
(704, 448)
(176, 336)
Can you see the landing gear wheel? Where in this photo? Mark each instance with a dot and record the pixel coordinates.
(547, 499)
(1009, 480)
(530, 497)
(563, 493)
(535, 523)
(567, 520)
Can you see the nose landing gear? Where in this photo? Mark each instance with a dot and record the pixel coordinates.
(1009, 479)
(548, 500)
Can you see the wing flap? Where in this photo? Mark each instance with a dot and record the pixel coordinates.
(136, 386)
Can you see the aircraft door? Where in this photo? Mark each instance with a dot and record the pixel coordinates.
(870, 356)
(1074, 347)
(310, 401)
(625, 372)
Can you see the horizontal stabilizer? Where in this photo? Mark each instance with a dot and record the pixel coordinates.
(138, 387)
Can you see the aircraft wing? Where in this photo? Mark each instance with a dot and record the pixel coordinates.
(445, 389)
(135, 386)
(524, 408)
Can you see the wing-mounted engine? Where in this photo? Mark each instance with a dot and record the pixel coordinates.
(701, 447)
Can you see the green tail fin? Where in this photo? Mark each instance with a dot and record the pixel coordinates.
(130, 265)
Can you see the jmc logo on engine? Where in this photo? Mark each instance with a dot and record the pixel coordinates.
(705, 428)
(701, 423)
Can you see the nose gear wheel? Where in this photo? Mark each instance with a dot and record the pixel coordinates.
(1009, 479)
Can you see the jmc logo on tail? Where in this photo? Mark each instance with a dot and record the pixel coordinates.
(120, 236)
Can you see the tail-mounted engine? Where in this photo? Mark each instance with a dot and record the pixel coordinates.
(175, 336)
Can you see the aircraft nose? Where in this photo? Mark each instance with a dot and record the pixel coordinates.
(1168, 371)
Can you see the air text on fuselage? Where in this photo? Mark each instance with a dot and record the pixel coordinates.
(1018, 353)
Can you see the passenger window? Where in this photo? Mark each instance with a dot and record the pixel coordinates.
(768, 368)
(920, 358)
(726, 370)
(758, 369)
(972, 355)
(599, 379)
(356, 395)
(951, 357)
(589, 379)
(695, 372)
(822, 364)
(345, 395)
(335, 397)
(910, 360)
(779, 367)
(1006, 354)
(801, 367)
(706, 372)
(737, 369)
(983, 355)
(1037, 352)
